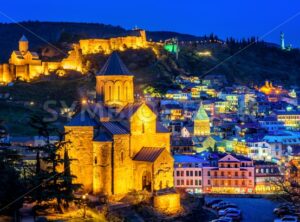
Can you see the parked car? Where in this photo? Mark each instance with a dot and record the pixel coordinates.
(223, 219)
(226, 219)
(229, 205)
(287, 218)
(228, 210)
(284, 211)
(223, 203)
(212, 202)
(234, 216)
(282, 206)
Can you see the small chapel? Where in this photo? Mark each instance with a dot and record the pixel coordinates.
(118, 144)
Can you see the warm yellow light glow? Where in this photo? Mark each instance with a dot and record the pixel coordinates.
(83, 101)
(204, 53)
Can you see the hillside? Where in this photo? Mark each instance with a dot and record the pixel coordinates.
(40, 33)
(252, 65)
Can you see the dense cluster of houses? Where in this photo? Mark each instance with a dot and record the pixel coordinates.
(230, 138)
(224, 138)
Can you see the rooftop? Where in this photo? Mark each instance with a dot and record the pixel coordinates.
(114, 66)
(148, 154)
(23, 39)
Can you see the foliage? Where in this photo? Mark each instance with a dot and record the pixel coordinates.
(12, 186)
(53, 184)
(290, 183)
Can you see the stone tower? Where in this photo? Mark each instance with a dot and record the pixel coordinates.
(114, 85)
(201, 123)
(23, 45)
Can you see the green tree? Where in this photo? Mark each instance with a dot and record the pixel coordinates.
(53, 183)
(11, 183)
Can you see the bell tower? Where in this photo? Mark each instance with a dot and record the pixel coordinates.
(201, 123)
(23, 45)
(114, 85)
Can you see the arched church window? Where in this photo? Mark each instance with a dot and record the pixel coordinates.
(143, 127)
(119, 93)
(96, 160)
(109, 92)
(126, 92)
(122, 157)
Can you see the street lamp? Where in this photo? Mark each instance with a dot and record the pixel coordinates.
(84, 196)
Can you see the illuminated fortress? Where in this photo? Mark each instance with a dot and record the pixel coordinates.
(136, 39)
(26, 65)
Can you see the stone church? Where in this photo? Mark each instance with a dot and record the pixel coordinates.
(118, 144)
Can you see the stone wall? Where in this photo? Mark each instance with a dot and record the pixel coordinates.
(81, 150)
(107, 46)
(167, 203)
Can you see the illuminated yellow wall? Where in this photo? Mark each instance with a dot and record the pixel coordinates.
(240, 147)
(168, 203)
(74, 59)
(5, 76)
(201, 128)
(23, 46)
(81, 149)
(122, 166)
(91, 46)
(102, 168)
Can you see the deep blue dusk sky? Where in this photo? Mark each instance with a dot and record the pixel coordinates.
(237, 18)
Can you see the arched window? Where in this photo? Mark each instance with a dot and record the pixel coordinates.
(143, 127)
(119, 92)
(160, 185)
(96, 160)
(122, 157)
(109, 93)
(126, 93)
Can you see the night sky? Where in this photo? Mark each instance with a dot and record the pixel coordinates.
(237, 18)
